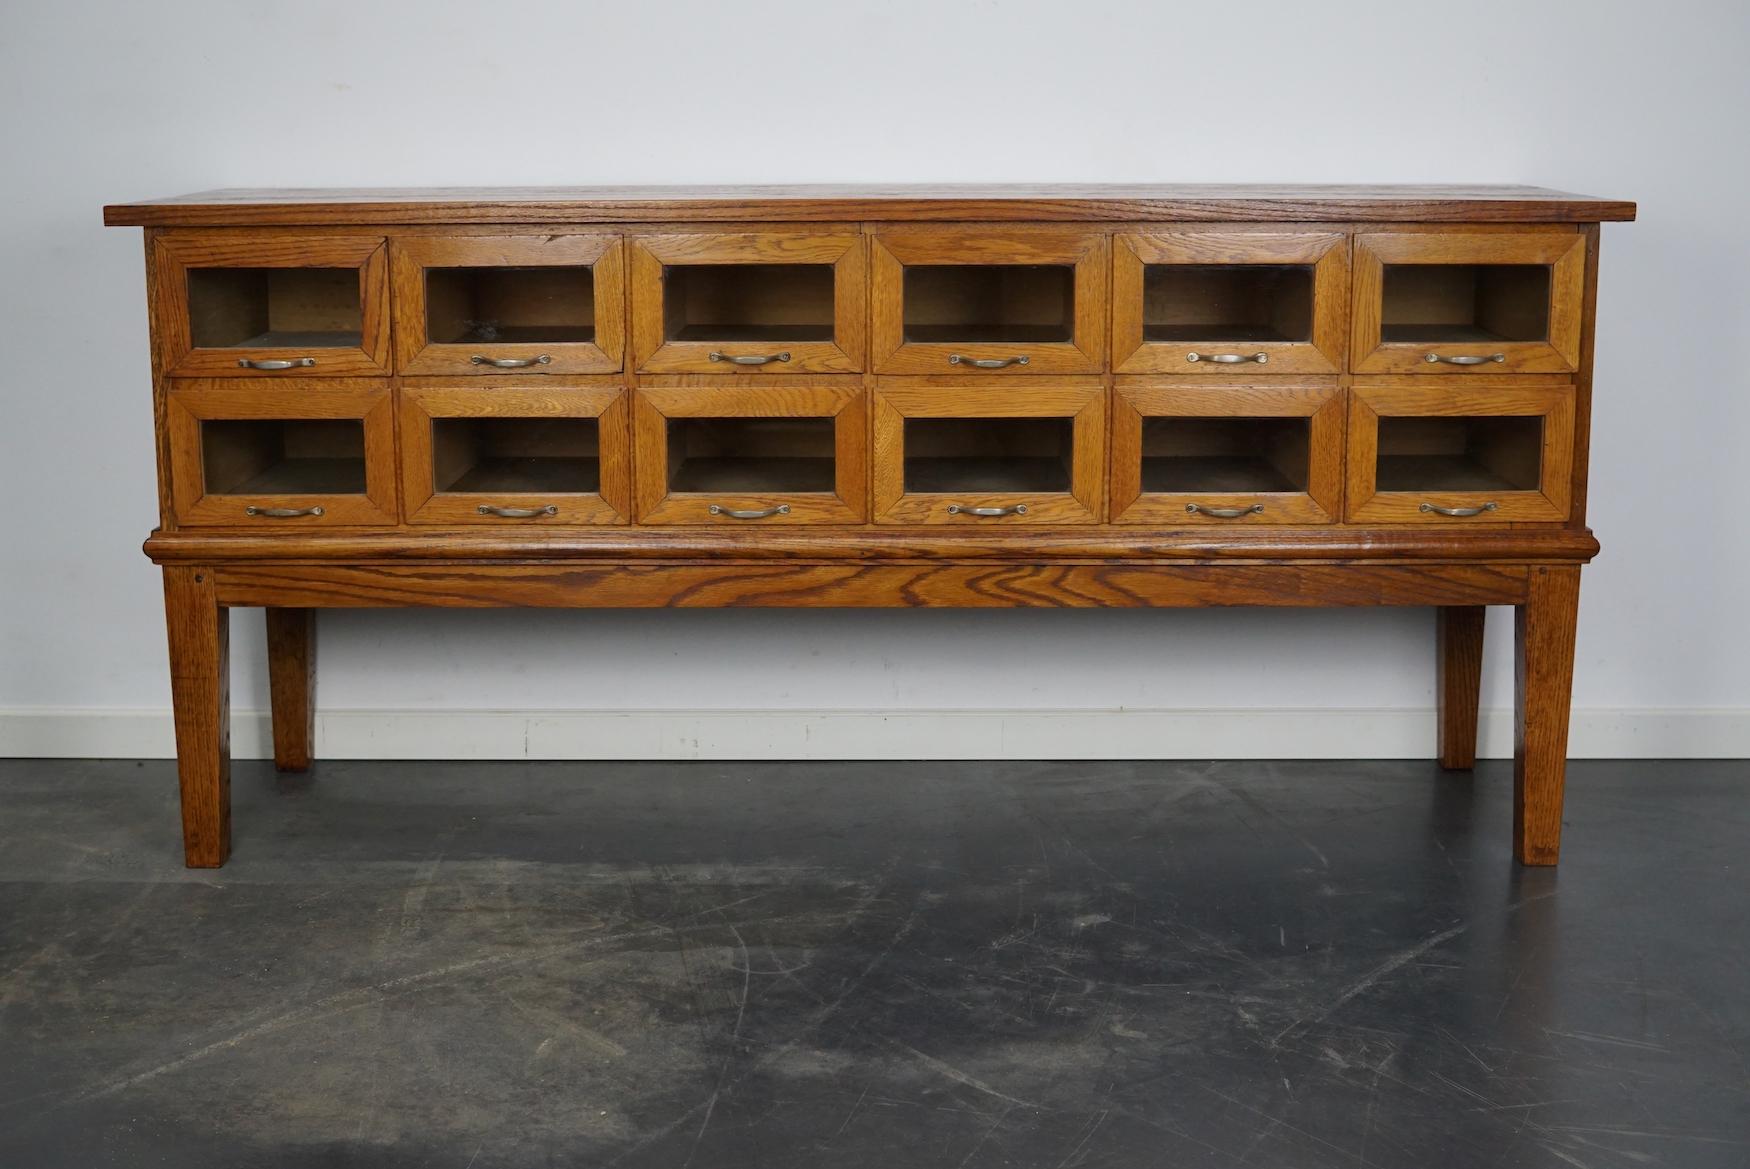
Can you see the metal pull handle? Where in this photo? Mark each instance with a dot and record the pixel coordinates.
(1012, 509)
(987, 362)
(1225, 513)
(1229, 358)
(1459, 511)
(1436, 359)
(748, 358)
(510, 362)
(761, 513)
(516, 513)
(276, 363)
(283, 513)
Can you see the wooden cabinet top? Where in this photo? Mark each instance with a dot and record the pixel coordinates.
(1118, 203)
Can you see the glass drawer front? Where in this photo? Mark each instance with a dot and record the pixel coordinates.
(751, 303)
(1215, 451)
(759, 455)
(524, 450)
(1229, 302)
(978, 302)
(268, 305)
(1503, 302)
(504, 305)
(306, 453)
(1455, 453)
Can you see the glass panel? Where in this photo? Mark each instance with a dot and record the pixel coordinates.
(742, 455)
(1227, 302)
(989, 303)
(1465, 302)
(275, 308)
(1460, 454)
(283, 456)
(988, 454)
(504, 455)
(483, 306)
(748, 302)
(1225, 454)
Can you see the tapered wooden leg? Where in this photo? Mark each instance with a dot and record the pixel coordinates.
(201, 694)
(1458, 638)
(1543, 634)
(291, 682)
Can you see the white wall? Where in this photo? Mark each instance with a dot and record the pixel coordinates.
(107, 102)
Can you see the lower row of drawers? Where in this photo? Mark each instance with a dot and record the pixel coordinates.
(445, 451)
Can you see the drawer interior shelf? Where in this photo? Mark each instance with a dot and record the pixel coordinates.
(283, 456)
(727, 456)
(274, 308)
(1225, 454)
(1227, 302)
(515, 455)
(549, 304)
(1457, 303)
(748, 302)
(1460, 454)
(983, 303)
(988, 454)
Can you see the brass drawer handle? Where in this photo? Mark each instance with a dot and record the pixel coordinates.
(748, 358)
(283, 513)
(761, 513)
(510, 362)
(1224, 513)
(987, 362)
(1459, 511)
(1229, 358)
(516, 513)
(1435, 359)
(1012, 509)
(277, 363)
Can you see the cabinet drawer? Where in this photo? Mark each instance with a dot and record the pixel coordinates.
(519, 451)
(1030, 453)
(1490, 303)
(552, 304)
(302, 454)
(1456, 451)
(271, 305)
(988, 302)
(769, 302)
(1219, 452)
(1230, 302)
(774, 454)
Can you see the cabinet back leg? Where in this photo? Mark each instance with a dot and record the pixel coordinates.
(291, 677)
(200, 691)
(1458, 640)
(1543, 634)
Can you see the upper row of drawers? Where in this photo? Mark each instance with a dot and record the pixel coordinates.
(903, 301)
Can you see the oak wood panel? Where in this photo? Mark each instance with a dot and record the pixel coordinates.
(846, 251)
(1543, 633)
(1458, 639)
(417, 353)
(424, 400)
(173, 256)
(863, 586)
(200, 692)
(291, 685)
(1192, 202)
(1320, 404)
(1326, 252)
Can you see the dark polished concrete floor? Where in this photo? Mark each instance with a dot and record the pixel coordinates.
(958, 965)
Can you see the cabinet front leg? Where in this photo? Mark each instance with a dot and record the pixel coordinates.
(1458, 639)
(200, 692)
(1543, 634)
(291, 678)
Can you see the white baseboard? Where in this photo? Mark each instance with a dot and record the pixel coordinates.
(1696, 733)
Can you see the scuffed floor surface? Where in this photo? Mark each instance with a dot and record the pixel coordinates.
(848, 965)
